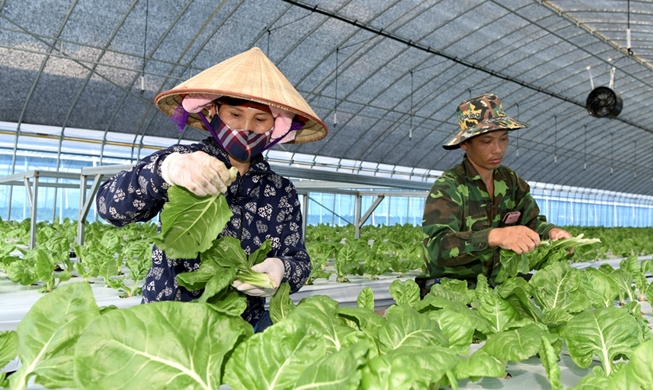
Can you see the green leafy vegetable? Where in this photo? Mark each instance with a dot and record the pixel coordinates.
(556, 290)
(405, 292)
(321, 312)
(480, 364)
(405, 327)
(263, 362)
(517, 344)
(347, 262)
(366, 298)
(550, 362)
(637, 374)
(607, 333)
(337, 371)
(281, 304)
(223, 263)
(121, 350)
(190, 223)
(409, 368)
(47, 350)
(8, 347)
(548, 252)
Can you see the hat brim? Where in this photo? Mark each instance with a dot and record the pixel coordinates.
(503, 123)
(251, 76)
(313, 130)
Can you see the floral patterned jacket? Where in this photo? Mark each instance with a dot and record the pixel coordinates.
(264, 205)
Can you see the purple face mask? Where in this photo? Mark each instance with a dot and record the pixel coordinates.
(240, 144)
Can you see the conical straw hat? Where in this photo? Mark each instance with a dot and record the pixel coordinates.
(251, 76)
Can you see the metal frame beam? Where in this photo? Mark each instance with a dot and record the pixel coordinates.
(32, 193)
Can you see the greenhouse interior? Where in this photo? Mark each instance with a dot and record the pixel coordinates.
(337, 194)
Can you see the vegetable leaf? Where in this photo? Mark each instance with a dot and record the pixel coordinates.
(637, 374)
(546, 253)
(480, 364)
(408, 368)
(557, 288)
(321, 312)
(549, 360)
(190, 223)
(607, 333)
(337, 371)
(406, 327)
(143, 344)
(8, 347)
(280, 303)
(517, 344)
(405, 292)
(366, 298)
(48, 333)
(276, 358)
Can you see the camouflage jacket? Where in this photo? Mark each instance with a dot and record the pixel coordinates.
(458, 217)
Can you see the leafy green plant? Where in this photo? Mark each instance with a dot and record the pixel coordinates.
(548, 252)
(321, 253)
(374, 263)
(223, 263)
(6, 257)
(46, 351)
(135, 256)
(38, 264)
(607, 333)
(139, 347)
(348, 262)
(557, 291)
(190, 223)
(631, 265)
(8, 350)
(624, 280)
(330, 346)
(280, 304)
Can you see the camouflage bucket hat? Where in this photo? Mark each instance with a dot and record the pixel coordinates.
(480, 115)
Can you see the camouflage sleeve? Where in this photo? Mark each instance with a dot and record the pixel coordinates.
(449, 242)
(530, 211)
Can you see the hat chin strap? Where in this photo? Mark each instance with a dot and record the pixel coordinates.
(210, 129)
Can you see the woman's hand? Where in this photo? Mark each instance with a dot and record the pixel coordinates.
(200, 173)
(274, 268)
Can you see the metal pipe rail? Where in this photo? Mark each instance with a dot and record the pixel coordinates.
(31, 181)
(319, 181)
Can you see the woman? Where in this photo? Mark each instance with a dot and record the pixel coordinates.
(247, 106)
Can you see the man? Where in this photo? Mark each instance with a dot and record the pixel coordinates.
(479, 206)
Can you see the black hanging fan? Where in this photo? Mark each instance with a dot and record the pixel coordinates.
(603, 102)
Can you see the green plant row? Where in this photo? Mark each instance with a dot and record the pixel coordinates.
(121, 256)
(67, 341)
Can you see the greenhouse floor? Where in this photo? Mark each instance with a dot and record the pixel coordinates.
(16, 301)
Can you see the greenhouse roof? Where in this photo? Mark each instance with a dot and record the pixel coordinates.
(391, 72)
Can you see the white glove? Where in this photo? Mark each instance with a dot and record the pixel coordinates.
(200, 173)
(274, 268)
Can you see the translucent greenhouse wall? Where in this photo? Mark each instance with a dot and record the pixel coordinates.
(561, 208)
(26, 152)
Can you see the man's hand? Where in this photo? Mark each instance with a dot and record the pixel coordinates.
(556, 234)
(200, 173)
(274, 268)
(519, 239)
